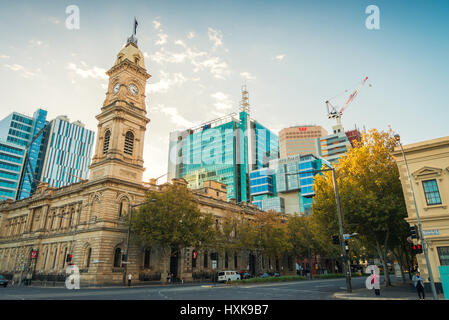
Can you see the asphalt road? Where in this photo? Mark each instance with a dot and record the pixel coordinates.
(299, 290)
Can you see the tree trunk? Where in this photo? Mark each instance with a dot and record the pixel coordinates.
(384, 263)
(399, 258)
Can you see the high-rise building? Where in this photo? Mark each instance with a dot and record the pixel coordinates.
(287, 185)
(334, 146)
(25, 132)
(354, 135)
(68, 150)
(300, 140)
(226, 150)
(11, 161)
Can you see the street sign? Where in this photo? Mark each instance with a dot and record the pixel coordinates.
(434, 232)
(33, 254)
(346, 236)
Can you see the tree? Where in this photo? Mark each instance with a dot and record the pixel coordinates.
(370, 192)
(172, 220)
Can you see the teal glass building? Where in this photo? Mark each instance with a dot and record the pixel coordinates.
(24, 133)
(226, 150)
(287, 185)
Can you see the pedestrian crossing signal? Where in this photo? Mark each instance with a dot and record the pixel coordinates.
(416, 248)
(68, 258)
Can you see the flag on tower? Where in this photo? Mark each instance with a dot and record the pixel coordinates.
(135, 25)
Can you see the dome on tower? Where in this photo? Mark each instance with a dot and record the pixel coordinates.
(132, 53)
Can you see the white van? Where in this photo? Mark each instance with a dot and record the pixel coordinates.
(224, 276)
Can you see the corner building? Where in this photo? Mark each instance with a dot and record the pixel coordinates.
(89, 218)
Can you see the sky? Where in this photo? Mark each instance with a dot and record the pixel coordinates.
(292, 55)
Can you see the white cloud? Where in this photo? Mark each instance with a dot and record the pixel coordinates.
(175, 117)
(157, 24)
(166, 81)
(218, 68)
(191, 35)
(4, 56)
(85, 72)
(247, 75)
(279, 57)
(162, 39)
(36, 42)
(215, 36)
(180, 43)
(19, 68)
(222, 101)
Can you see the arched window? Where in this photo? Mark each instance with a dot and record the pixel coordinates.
(129, 143)
(123, 208)
(117, 257)
(88, 254)
(146, 258)
(107, 137)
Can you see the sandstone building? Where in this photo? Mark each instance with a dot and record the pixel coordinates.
(88, 219)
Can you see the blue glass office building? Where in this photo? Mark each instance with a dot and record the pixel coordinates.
(25, 133)
(68, 150)
(11, 161)
(33, 149)
(287, 186)
(226, 149)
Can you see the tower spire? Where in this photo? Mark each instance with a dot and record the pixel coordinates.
(244, 103)
(133, 39)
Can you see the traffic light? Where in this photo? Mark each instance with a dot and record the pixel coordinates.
(124, 257)
(335, 239)
(68, 258)
(414, 232)
(346, 246)
(416, 248)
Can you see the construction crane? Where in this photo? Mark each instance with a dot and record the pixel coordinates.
(332, 110)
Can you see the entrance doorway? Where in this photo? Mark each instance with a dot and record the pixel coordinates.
(252, 264)
(174, 265)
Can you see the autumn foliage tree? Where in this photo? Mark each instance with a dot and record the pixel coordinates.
(370, 191)
(171, 220)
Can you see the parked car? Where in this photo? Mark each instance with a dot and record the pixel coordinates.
(3, 281)
(245, 275)
(224, 276)
(264, 275)
(276, 274)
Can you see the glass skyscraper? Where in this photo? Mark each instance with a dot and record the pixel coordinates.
(68, 150)
(287, 186)
(225, 150)
(11, 161)
(25, 133)
(33, 149)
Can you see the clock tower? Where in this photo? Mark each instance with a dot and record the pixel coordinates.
(122, 121)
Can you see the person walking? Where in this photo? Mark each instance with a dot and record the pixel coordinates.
(419, 285)
(375, 281)
(129, 279)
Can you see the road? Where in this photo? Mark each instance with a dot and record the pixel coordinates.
(299, 290)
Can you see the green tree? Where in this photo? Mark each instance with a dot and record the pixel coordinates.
(171, 220)
(370, 192)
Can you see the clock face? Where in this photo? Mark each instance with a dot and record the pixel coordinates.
(133, 89)
(116, 87)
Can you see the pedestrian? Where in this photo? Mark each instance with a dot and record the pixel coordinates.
(375, 282)
(419, 285)
(129, 279)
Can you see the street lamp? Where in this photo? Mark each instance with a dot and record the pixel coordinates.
(346, 270)
(125, 261)
(432, 284)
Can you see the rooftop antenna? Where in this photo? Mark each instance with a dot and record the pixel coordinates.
(244, 103)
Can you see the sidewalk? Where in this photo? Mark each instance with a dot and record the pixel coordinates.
(399, 291)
